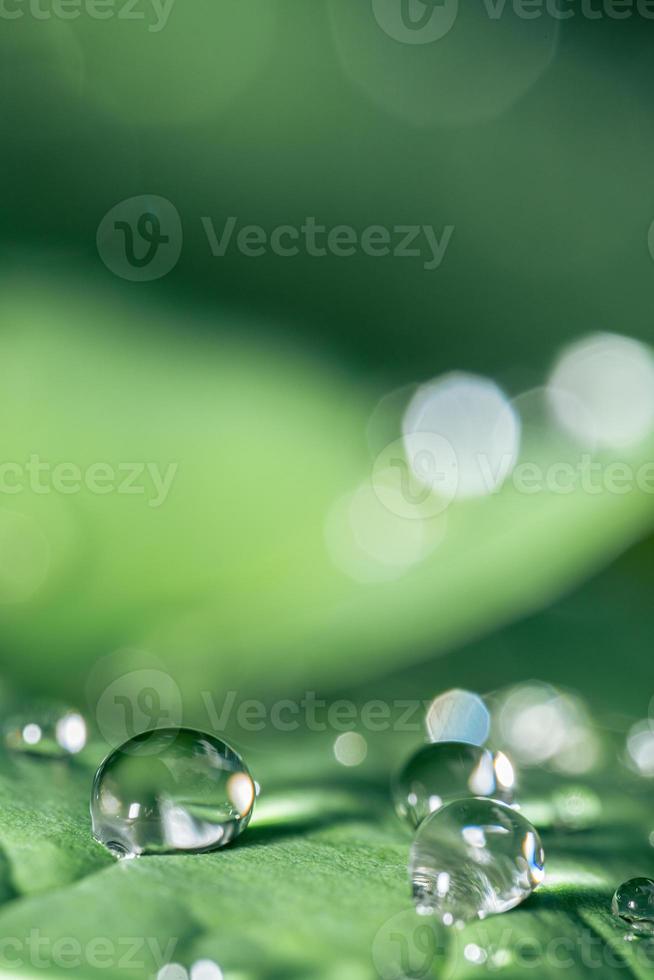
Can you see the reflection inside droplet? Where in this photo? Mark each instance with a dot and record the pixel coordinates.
(633, 902)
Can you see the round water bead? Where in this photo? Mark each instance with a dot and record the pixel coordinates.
(474, 858)
(633, 902)
(46, 729)
(458, 716)
(445, 771)
(171, 790)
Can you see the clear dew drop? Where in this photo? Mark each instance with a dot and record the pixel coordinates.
(171, 790)
(446, 771)
(474, 858)
(458, 716)
(50, 730)
(633, 902)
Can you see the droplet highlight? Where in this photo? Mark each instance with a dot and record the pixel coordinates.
(446, 771)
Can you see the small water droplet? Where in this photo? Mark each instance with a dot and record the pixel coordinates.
(47, 729)
(473, 858)
(189, 791)
(458, 716)
(446, 771)
(633, 902)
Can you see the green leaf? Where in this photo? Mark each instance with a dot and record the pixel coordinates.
(316, 886)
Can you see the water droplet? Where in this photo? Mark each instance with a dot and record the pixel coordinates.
(46, 729)
(458, 716)
(474, 858)
(633, 902)
(446, 771)
(171, 790)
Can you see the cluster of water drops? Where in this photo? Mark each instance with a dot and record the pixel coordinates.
(474, 853)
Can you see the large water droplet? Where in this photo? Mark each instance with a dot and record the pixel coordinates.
(171, 790)
(474, 858)
(634, 903)
(47, 729)
(445, 771)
